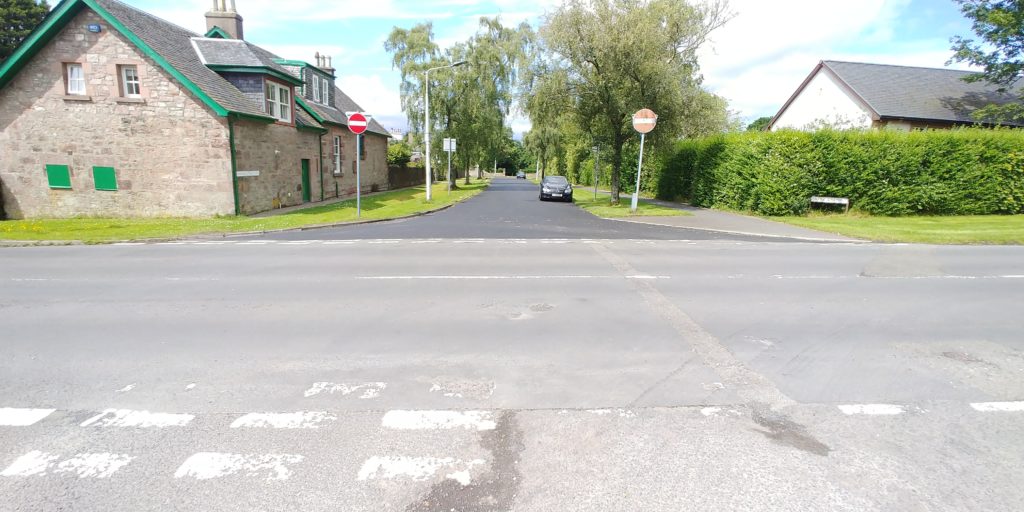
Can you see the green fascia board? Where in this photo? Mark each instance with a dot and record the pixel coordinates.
(286, 62)
(258, 70)
(61, 15)
(218, 32)
(251, 117)
(312, 129)
(305, 106)
(192, 87)
(47, 29)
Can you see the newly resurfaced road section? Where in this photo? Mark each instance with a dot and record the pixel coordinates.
(514, 373)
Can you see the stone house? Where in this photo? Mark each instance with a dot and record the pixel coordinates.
(854, 95)
(106, 110)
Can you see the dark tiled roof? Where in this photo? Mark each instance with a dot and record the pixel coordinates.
(174, 44)
(336, 113)
(919, 93)
(302, 118)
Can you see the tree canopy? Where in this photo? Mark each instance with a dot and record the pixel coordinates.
(999, 24)
(17, 20)
(599, 61)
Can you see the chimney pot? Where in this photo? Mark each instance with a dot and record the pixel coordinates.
(227, 20)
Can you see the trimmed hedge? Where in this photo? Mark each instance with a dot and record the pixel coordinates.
(958, 172)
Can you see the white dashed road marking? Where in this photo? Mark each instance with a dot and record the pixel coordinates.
(998, 406)
(139, 419)
(369, 389)
(14, 417)
(84, 465)
(872, 409)
(510, 278)
(426, 420)
(417, 468)
(207, 465)
(283, 420)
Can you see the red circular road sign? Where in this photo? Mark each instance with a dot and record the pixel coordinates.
(357, 123)
(644, 120)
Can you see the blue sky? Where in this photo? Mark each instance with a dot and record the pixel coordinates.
(756, 61)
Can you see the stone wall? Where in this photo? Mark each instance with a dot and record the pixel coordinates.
(169, 151)
(373, 170)
(276, 152)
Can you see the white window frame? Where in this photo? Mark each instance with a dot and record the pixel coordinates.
(279, 101)
(316, 87)
(326, 95)
(127, 85)
(75, 86)
(337, 154)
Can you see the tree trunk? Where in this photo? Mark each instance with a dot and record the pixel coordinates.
(616, 166)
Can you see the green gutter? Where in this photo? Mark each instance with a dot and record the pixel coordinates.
(234, 163)
(257, 70)
(305, 106)
(286, 62)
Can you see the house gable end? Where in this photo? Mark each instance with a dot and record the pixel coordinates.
(824, 98)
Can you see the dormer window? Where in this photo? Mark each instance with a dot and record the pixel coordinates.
(316, 87)
(326, 94)
(279, 102)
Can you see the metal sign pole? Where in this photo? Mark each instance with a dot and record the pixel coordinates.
(449, 169)
(639, 166)
(597, 165)
(359, 152)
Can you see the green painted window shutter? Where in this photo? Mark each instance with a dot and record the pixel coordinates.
(105, 178)
(58, 176)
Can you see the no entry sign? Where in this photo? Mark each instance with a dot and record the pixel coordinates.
(357, 123)
(644, 120)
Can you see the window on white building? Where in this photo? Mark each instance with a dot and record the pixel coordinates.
(337, 154)
(75, 79)
(316, 87)
(130, 84)
(279, 102)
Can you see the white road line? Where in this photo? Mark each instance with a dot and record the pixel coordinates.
(426, 241)
(14, 417)
(508, 278)
(207, 465)
(470, 241)
(138, 419)
(339, 242)
(84, 465)
(872, 409)
(126, 389)
(297, 242)
(217, 242)
(369, 389)
(256, 242)
(417, 468)
(305, 419)
(436, 420)
(375, 242)
(998, 406)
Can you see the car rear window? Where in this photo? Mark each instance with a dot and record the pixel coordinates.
(556, 180)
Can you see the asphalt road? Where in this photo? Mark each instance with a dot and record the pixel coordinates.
(526, 372)
(509, 208)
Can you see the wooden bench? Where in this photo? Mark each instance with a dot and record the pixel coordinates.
(844, 201)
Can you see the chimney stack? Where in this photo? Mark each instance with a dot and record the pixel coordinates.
(324, 63)
(226, 17)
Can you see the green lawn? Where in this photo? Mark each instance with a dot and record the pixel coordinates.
(977, 229)
(387, 205)
(603, 207)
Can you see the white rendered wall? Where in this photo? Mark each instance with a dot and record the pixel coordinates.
(823, 103)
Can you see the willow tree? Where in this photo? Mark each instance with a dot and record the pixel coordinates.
(614, 57)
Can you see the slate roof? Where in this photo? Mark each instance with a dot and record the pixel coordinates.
(928, 94)
(174, 44)
(336, 113)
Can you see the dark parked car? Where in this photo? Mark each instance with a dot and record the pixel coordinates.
(555, 187)
(520, 175)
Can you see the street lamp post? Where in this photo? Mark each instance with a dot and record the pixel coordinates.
(426, 124)
(597, 158)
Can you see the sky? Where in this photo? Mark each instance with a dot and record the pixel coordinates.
(756, 61)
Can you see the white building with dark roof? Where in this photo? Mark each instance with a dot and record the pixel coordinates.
(863, 96)
(106, 110)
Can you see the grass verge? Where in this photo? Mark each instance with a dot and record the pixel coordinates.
(388, 205)
(970, 229)
(603, 207)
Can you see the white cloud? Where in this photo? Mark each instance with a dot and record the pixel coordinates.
(371, 92)
(760, 57)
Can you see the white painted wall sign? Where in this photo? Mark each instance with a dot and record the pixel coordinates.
(247, 174)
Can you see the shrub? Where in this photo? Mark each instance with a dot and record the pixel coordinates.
(399, 154)
(958, 172)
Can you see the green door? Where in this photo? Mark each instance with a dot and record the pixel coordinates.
(307, 195)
